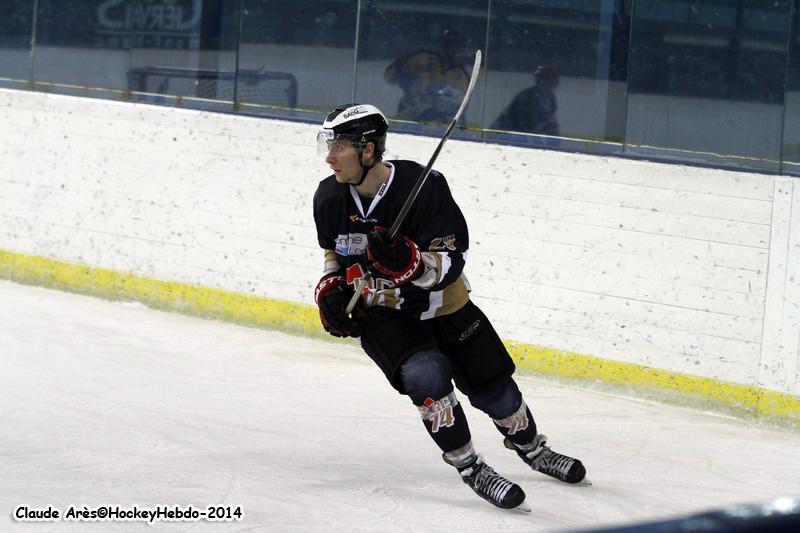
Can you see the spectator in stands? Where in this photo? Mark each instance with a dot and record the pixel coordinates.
(533, 110)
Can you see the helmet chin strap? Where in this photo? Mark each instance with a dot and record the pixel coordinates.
(364, 168)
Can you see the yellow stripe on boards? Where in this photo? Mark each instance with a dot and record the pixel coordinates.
(159, 294)
(303, 319)
(742, 399)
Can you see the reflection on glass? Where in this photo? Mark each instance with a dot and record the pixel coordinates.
(182, 48)
(415, 58)
(69, 48)
(432, 87)
(706, 78)
(556, 68)
(533, 110)
(304, 53)
(16, 26)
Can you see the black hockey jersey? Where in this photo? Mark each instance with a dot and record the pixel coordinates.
(434, 222)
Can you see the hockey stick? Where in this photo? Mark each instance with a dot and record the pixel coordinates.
(422, 177)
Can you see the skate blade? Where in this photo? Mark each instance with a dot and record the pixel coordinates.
(524, 507)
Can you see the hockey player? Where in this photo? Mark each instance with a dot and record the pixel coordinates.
(415, 320)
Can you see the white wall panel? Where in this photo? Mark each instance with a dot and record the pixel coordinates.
(781, 347)
(694, 270)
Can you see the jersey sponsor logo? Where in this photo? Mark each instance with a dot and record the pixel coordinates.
(448, 242)
(354, 274)
(351, 244)
(470, 330)
(359, 218)
(439, 412)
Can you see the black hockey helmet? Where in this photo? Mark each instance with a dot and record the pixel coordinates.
(357, 123)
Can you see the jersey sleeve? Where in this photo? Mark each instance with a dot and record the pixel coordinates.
(323, 211)
(437, 225)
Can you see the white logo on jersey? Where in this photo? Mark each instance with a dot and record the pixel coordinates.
(351, 244)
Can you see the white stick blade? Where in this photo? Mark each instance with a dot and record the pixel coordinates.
(473, 79)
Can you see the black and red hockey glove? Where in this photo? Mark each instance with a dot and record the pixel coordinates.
(332, 296)
(398, 259)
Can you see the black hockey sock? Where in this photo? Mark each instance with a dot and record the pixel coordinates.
(445, 421)
(519, 427)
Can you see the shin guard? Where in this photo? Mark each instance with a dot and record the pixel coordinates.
(518, 427)
(445, 421)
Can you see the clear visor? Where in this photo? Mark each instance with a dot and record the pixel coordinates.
(329, 143)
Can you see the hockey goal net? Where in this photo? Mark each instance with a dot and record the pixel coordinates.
(246, 86)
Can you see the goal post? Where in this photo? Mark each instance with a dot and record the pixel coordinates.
(277, 89)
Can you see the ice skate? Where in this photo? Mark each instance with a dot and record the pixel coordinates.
(542, 459)
(493, 487)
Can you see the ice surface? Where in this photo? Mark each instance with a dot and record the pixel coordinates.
(113, 403)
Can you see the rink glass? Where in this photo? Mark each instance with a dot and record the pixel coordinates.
(184, 50)
(16, 28)
(415, 59)
(311, 42)
(711, 82)
(581, 49)
(713, 68)
(790, 146)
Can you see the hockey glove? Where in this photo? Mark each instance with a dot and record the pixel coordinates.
(398, 259)
(332, 296)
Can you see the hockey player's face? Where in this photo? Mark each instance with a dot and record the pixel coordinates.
(343, 159)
